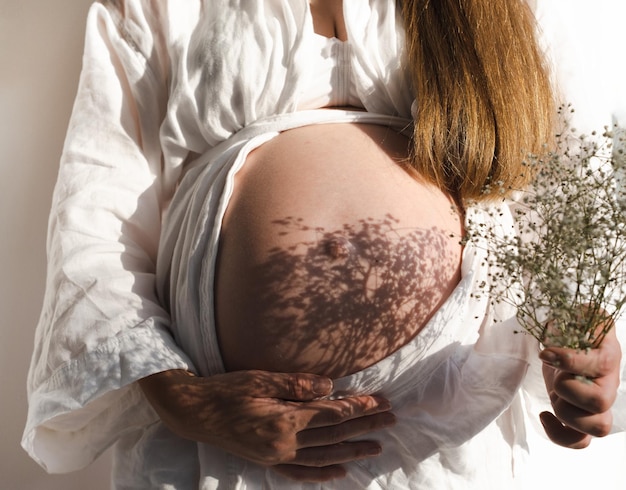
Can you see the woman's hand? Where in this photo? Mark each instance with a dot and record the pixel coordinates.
(582, 386)
(273, 419)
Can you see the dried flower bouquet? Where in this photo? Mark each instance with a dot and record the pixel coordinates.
(564, 264)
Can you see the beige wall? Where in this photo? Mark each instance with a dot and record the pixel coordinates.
(40, 53)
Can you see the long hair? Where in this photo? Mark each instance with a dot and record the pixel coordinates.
(483, 94)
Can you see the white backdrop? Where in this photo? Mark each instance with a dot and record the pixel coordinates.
(40, 54)
(40, 48)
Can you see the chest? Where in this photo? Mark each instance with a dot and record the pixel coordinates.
(222, 82)
(328, 19)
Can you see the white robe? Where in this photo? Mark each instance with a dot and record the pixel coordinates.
(158, 91)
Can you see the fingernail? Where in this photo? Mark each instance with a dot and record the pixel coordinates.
(374, 451)
(549, 357)
(384, 405)
(322, 386)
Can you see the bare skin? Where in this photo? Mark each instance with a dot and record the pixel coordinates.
(273, 419)
(582, 386)
(331, 257)
(328, 18)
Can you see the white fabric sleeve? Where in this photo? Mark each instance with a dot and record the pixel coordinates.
(619, 151)
(619, 407)
(101, 327)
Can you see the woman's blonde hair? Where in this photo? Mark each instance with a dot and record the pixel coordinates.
(483, 94)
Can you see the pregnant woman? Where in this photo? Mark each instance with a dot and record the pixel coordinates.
(255, 248)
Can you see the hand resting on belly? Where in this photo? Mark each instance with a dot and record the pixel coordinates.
(331, 256)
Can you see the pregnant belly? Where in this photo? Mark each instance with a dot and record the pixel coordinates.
(331, 256)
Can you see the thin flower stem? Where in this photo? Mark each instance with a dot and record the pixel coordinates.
(569, 256)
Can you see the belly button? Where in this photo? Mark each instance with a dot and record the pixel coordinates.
(339, 248)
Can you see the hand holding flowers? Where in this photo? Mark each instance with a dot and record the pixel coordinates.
(582, 386)
(563, 267)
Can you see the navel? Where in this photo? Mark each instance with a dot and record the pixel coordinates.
(339, 248)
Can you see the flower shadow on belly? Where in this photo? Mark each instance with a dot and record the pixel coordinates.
(352, 296)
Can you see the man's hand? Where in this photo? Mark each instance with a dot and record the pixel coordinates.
(582, 386)
(273, 419)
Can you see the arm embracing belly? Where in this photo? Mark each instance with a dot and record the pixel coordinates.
(331, 256)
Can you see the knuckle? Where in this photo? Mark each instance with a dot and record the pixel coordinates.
(296, 386)
(336, 417)
(602, 428)
(608, 362)
(278, 451)
(599, 404)
(277, 442)
(253, 382)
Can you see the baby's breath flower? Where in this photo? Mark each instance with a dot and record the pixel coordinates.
(568, 255)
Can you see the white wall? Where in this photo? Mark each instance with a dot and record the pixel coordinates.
(40, 53)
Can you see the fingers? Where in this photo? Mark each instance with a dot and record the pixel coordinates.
(563, 435)
(334, 412)
(336, 454)
(324, 445)
(310, 474)
(253, 415)
(594, 395)
(592, 363)
(285, 386)
(320, 464)
(594, 424)
(583, 387)
(351, 429)
(304, 387)
(586, 379)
